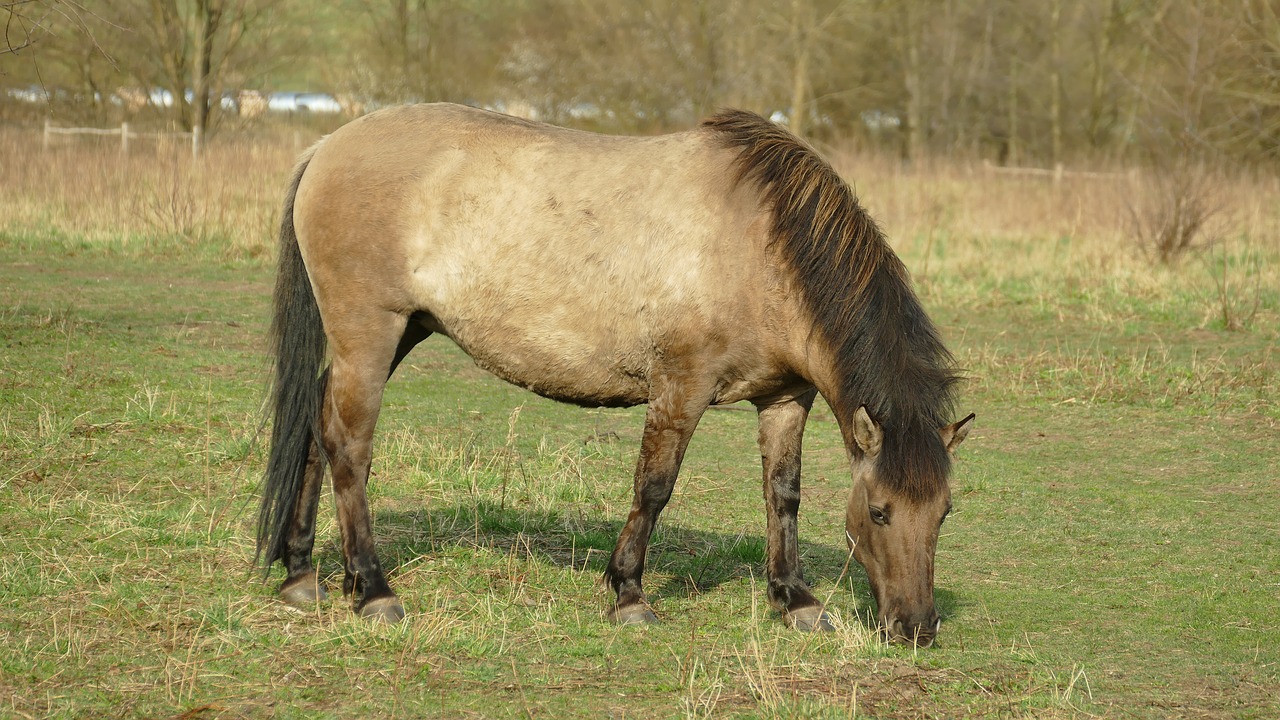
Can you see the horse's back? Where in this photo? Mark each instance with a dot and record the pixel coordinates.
(564, 261)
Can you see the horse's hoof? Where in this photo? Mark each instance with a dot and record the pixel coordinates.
(384, 609)
(810, 619)
(303, 591)
(635, 614)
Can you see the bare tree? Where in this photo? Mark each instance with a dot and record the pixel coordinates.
(1255, 81)
(401, 50)
(24, 22)
(1025, 82)
(192, 48)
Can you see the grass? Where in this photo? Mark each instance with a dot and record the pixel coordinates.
(1114, 550)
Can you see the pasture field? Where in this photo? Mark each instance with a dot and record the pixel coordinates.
(1114, 550)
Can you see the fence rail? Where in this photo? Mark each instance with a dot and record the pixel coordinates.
(125, 135)
(1057, 172)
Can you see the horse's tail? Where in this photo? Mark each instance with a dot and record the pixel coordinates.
(298, 344)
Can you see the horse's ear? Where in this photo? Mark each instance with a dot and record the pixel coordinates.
(866, 432)
(956, 432)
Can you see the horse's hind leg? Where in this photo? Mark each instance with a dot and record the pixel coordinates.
(781, 432)
(673, 414)
(364, 347)
(302, 586)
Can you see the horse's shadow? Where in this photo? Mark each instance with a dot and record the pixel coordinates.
(692, 561)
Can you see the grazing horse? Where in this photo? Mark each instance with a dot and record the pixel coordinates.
(722, 264)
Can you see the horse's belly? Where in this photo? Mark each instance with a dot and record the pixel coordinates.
(554, 319)
(559, 366)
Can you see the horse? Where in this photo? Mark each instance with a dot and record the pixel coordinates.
(726, 263)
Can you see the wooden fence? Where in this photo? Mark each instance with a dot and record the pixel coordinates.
(125, 135)
(1056, 173)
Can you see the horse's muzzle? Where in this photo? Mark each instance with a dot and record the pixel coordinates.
(920, 634)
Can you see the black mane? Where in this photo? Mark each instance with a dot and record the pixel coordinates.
(889, 354)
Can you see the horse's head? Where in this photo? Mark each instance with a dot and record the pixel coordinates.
(894, 532)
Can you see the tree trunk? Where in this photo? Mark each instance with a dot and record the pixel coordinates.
(1011, 157)
(1101, 65)
(173, 58)
(800, 70)
(1055, 82)
(911, 82)
(208, 18)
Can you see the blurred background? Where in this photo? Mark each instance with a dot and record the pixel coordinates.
(1035, 83)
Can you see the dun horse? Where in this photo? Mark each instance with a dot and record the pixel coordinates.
(722, 264)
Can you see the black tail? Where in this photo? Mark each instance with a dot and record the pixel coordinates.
(298, 342)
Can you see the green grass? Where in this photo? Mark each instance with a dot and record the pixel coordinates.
(1114, 550)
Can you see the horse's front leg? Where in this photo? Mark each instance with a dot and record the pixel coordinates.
(673, 413)
(781, 432)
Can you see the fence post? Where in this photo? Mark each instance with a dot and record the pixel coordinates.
(44, 143)
(124, 138)
(1057, 173)
(195, 142)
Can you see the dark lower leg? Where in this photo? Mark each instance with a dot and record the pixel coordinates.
(781, 432)
(668, 427)
(626, 566)
(364, 581)
(788, 590)
(364, 575)
(364, 578)
(301, 586)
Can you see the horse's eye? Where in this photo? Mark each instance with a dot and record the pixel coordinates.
(877, 516)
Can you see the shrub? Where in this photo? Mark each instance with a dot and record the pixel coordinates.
(1176, 210)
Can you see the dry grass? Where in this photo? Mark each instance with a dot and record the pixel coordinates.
(157, 198)
(963, 220)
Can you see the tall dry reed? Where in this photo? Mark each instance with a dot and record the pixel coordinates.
(83, 190)
(973, 228)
